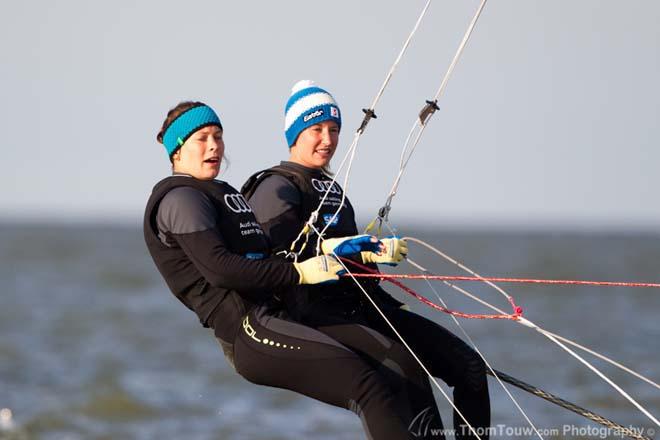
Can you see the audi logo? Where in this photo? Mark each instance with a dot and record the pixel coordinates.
(323, 185)
(237, 203)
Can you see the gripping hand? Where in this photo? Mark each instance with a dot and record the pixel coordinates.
(396, 249)
(347, 246)
(319, 270)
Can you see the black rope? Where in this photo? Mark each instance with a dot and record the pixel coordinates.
(569, 406)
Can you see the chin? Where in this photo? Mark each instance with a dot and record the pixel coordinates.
(207, 176)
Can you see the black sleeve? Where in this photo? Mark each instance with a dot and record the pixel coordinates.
(276, 203)
(187, 217)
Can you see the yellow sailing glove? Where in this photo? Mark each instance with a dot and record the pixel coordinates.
(348, 246)
(396, 249)
(319, 270)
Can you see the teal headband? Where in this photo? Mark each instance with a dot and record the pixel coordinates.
(186, 124)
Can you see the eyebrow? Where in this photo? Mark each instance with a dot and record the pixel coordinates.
(208, 130)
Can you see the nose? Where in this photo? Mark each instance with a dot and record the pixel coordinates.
(326, 137)
(213, 144)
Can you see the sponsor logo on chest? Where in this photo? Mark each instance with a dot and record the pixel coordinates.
(326, 185)
(327, 218)
(237, 203)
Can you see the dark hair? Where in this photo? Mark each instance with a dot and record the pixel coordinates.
(174, 113)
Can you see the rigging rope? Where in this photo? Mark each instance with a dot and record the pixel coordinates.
(500, 377)
(489, 367)
(429, 108)
(568, 341)
(516, 314)
(425, 114)
(369, 114)
(531, 325)
(507, 280)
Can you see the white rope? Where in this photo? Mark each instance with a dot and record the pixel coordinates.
(403, 163)
(423, 271)
(460, 265)
(606, 359)
(356, 138)
(598, 372)
(424, 117)
(461, 47)
(528, 323)
(398, 58)
(403, 341)
(563, 339)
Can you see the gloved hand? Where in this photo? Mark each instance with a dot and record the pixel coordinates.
(319, 270)
(347, 246)
(396, 249)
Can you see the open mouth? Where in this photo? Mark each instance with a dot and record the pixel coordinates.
(212, 160)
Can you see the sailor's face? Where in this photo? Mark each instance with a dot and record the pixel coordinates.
(316, 145)
(201, 155)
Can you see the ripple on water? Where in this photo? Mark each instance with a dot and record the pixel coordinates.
(116, 404)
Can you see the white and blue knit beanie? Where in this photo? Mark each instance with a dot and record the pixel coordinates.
(308, 105)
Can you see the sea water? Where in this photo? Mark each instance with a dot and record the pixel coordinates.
(93, 345)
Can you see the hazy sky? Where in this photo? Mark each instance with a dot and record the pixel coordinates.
(550, 118)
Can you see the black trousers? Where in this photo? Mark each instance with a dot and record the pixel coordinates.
(341, 363)
(448, 358)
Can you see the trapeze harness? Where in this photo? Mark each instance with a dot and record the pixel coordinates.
(175, 256)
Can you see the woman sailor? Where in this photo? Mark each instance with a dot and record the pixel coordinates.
(284, 196)
(206, 243)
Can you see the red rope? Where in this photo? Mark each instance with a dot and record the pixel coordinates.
(517, 311)
(504, 280)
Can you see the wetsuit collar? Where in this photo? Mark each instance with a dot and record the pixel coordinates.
(301, 168)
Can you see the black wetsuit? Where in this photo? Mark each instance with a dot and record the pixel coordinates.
(207, 245)
(283, 198)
